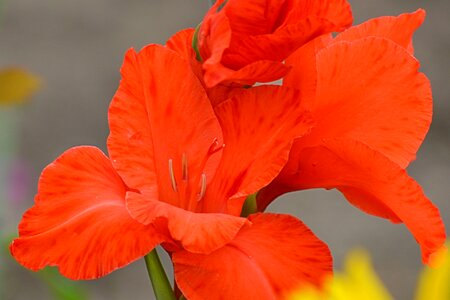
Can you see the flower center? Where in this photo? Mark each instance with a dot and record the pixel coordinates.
(191, 188)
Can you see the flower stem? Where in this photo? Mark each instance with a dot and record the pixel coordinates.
(158, 278)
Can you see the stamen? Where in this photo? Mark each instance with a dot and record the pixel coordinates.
(184, 167)
(202, 188)
(172, 175)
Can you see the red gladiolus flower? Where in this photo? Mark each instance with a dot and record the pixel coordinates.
(373, 109)
(245, 41)
(178, 173)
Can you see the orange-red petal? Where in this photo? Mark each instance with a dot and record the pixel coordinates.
(370, 90)
(161, 120)
(287, 26)
(235, 34)
(398, 29)
(214, 38)
(197, 232)
(181, 43)
(253, 17)
(303, 66)
(258, 71)
(371, 182)
(266, 260)
(79, 221)
(259, 126)
(336, 12)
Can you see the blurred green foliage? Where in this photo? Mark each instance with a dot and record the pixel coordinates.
(60, 287)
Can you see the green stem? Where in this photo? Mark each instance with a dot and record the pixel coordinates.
(158, 278)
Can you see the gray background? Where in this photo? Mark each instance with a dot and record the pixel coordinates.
(77, 48)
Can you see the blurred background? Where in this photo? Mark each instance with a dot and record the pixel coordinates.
(76, 49)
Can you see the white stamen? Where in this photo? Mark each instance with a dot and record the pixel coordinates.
(203, 187)
(172, 175)
(184, 167)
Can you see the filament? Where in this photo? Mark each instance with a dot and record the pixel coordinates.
(203, 187)
(172, 176)
(184, 167)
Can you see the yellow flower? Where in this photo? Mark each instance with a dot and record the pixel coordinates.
(16, 85)
(434, 283)
(357, 282)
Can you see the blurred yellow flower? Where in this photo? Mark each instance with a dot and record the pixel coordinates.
(359, 281)
(16, 85)
(434, 283)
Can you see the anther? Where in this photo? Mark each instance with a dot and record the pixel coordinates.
(172, 175)
(215, 147)
(184, 167)
(203, 187)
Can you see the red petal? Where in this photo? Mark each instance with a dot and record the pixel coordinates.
(398, 29)
(370, 90)
(259, 71)
(373, 183)
(289, 26)
(245, 32)
(220, 93)
(259, 126)
(273, 47)
(267, 259)
(161, 113)
(197, 232)
(181, 43)
(79, 221)
(253, 17)
(336, 12)
(213, 38)
(303, 73)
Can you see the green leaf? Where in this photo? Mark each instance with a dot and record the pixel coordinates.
(60, 287)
